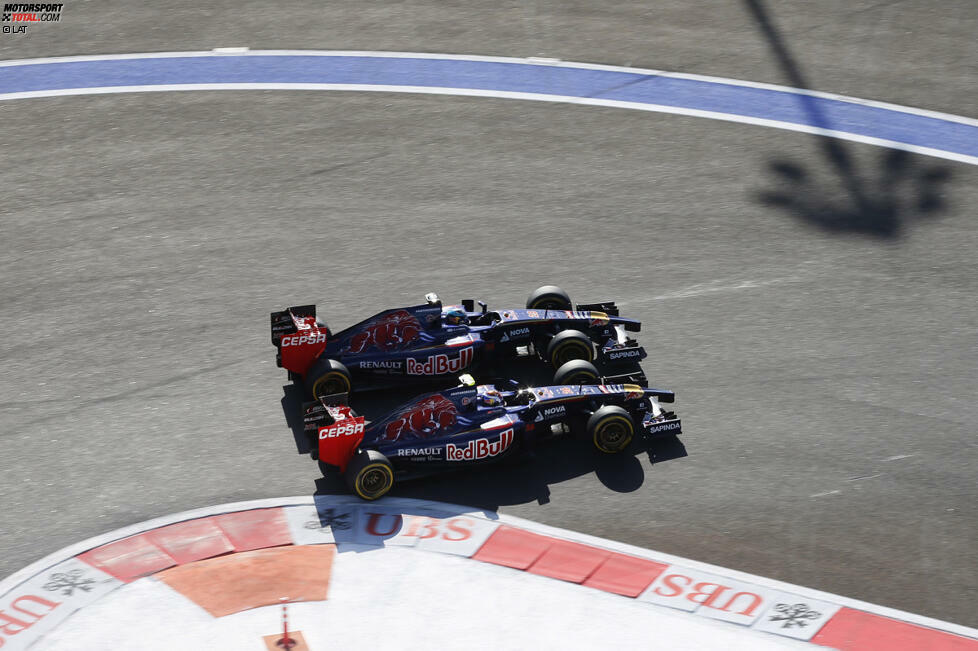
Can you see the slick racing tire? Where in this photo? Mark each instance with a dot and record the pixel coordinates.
(578, 371)
(549, 297)
(369, 474)
(326, 377)
(611, 428)
(569, 345)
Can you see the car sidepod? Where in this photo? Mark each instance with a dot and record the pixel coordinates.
(488, 443)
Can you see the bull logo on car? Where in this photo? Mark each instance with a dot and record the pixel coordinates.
(423, 420)
(393, 331)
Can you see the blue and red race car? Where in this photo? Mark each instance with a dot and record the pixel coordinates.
(435, 342)
(468, 425)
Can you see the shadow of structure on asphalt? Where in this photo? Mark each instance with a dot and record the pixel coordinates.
(525, 478)
(878, 203)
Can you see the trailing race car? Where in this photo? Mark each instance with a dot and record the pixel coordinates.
(431, 341)
(469, 425)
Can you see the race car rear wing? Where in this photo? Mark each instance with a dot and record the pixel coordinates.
(337, 429)
(287, 321)
(315, 413)
(299, 337)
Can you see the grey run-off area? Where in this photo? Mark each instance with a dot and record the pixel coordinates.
(823, 349)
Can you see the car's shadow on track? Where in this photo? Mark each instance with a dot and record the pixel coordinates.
(526, 478)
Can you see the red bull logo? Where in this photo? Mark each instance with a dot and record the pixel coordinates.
(440, 364)
(479, 448)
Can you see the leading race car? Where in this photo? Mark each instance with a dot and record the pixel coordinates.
(436, 342)
(469, 425)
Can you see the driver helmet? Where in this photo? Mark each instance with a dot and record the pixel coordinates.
(491, 398)
(454, 316)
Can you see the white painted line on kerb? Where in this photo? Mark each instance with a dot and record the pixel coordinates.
(244, 51)
(470, 92)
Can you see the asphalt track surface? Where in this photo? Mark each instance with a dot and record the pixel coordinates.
(812, 305)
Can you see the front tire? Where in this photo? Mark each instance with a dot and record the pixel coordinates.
(326, 377)
(611, 428)
(569, 345)
(548, 297)
(578, 371)
(369, 475)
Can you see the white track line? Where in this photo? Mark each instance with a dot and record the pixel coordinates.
(498, 59)
(499, 94)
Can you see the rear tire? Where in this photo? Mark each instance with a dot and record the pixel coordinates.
(369, 475)
(569, 345)
(326, 377)
(578, 371)
(549, 297)
(611, 428)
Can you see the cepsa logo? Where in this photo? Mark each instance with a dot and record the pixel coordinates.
(440, 364)
(347, 427)
(479, 448)
(299, 340)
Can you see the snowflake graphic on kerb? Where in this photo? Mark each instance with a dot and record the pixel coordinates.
(329, 518)
(793, 615)
(68, 582)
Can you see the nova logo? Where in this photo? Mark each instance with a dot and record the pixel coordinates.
(299, 340)
(624, 354)
(440, 364)
(519, 332)
(479, 448)
(553, 411)
(347, 427)
(664, 428)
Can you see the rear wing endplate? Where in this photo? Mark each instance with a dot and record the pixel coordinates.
(287, 321)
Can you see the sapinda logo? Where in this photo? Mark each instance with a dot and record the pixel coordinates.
(343, 428)
(636, 352)
(664, 428)
(299, 340)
